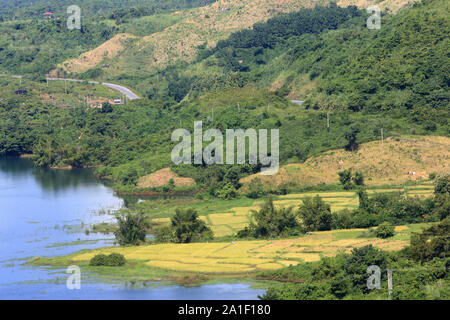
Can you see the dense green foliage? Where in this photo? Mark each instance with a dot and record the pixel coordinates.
(112, 260)
(78, 137)
(117, 8)
(345, 276)
(385, 230)
(433, 242)
(315, 214)
(132, 229)
(185, 227)
(272, 222)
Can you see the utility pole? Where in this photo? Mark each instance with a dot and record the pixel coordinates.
(239, 107)
(390, 287)
(382, 138)
(328, 120)
(212, 115)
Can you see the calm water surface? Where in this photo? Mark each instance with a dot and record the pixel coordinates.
(42, 211)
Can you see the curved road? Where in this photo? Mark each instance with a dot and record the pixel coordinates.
(127, 92)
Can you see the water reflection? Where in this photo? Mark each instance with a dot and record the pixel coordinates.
(45, 212)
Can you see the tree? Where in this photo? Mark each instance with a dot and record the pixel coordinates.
(345, 178)
(364, 202)
(442, 185)
(385, 230)
(340, 286)
(272, 222)
(227, 192)
(432, 242)
(315, 214)
(351, 136)
(106, 108)
(355, 266)
(187, 227)
(358, 178)
(132, 229)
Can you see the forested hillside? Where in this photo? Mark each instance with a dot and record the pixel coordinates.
(32, 44)
(19, 9)
(325, 55)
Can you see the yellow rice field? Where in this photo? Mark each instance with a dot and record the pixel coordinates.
(241, 257)
(228, 223)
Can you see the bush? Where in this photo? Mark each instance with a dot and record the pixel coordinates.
(113, 260)
(227, 192)
(256, 189)
(358, 178)
(99, 260)
(116, 259)
(384, 230)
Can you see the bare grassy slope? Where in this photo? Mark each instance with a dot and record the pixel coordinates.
(381, 165)
(205, 25)
(162, 177)
(108, 50)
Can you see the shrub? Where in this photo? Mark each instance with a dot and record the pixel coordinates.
(256, 189)
(384, 230)
(116, 259)
(358, 179)
(227, 192)
(98, 260)
(113, 260)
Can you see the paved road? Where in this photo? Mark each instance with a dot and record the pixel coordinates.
(127, 92)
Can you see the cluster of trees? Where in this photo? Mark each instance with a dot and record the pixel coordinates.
(36, 46)
(151, 7)
(185, 227)
(116, 8)
(421, 271)
(349, 179)
(282, 27)
(382, 210)
(272, 222)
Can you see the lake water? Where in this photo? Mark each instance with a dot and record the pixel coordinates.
(42, 211)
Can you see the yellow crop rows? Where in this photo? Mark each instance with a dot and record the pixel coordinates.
(249, 256)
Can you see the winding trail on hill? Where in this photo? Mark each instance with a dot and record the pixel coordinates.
(127, 92)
